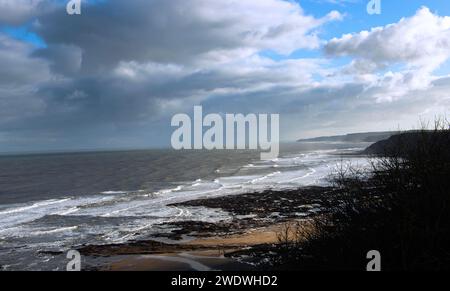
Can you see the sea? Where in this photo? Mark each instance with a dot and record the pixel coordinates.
(52, 203)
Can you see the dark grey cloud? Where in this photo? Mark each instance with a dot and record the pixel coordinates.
(20, 76)
(63, 59)
(178, 31)
(17, 68)
(114, 76)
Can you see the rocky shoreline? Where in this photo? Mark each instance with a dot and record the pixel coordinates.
(256, 219)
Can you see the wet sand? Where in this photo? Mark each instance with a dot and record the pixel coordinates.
(267, 235)
(203, 254)
(213, 258)
(192, 261)
(214, 246)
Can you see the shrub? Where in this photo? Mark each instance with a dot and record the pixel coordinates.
(400, 208)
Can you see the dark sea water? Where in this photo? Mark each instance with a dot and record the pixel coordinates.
(37, 177)
(55, 202)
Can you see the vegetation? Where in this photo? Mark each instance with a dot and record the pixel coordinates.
(400, 208)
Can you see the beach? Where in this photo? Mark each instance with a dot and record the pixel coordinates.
(73, 201)
(259, 219)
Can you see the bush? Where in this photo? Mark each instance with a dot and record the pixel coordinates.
(400, 208)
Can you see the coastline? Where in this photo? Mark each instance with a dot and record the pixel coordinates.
(173, 215)
(258, 220)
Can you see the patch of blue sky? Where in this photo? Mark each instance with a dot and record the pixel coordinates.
(298, 54)
(356, 16)
(356, 19)
(24, 34)
(443, 70)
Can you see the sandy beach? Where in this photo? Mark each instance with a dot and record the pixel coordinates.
(207, 254)
(213, 254)
(259, 219)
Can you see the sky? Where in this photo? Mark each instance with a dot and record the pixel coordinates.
(114, 76)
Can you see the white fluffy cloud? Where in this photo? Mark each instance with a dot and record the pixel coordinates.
(418, 45)
(125, 66)
(419, 41)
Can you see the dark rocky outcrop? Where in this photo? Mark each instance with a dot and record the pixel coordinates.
(404, 143)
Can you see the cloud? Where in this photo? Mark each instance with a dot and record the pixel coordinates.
(63, 59)
(419, 44)
(115, 75)
(179, 31)
(419, 41)
(129, 63)
(17, 67)
(16, 12)
(21, 76)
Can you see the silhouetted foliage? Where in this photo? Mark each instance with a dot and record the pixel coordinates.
(401, 207)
